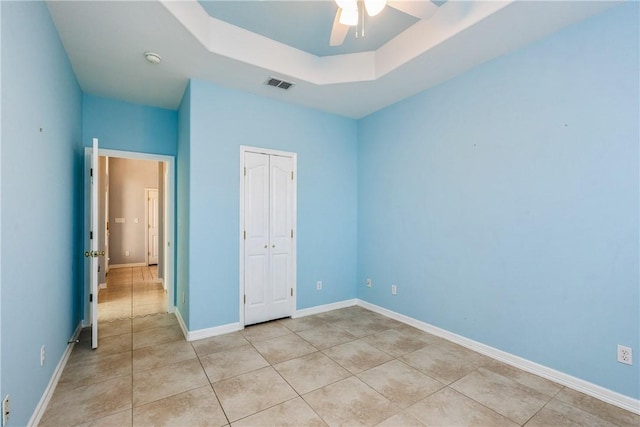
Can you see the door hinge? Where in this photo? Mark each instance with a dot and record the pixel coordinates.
(98, 268)
(291, 175)
(291, 291)
(91, 173)
(245, 234)
(245, 171)
(245, 298)
(292, 233)
(90, 297)
(91, 235)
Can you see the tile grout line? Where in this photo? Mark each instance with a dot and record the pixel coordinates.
(544, 406)
(285, 380)
(210, 384)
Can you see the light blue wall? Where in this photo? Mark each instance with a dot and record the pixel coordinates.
(221, 121)
(1, 209)
(41, 200)
(125, 126)
(504, 203)
(183, 206)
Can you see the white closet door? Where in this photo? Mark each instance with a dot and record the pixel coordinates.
(281, 229)
(256, 244)
(268, 255)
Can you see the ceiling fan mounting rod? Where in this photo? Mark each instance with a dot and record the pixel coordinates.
(351, 13)
(361, 8)
(362, 32)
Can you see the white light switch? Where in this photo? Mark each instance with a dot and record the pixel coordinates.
(135, 220)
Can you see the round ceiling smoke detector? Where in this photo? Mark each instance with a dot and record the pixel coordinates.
(153, 58)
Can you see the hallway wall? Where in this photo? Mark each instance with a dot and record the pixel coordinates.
(128, 180)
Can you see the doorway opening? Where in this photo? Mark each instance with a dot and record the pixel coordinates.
(131, 192)
(136, 233)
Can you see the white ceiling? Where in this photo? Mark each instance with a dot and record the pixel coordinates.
(106, 40)
(306, 25)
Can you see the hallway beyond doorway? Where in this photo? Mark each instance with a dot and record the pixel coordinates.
(131, 292)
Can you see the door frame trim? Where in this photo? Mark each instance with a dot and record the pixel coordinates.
(294, 245)
(169, 220)
(146, 219)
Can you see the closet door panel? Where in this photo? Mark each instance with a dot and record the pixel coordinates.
(257, 262)
(281, 226)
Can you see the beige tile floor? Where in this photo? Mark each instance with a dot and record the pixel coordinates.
(130, 292)
(345, 367)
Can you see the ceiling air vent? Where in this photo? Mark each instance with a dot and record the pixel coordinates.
(278, 83)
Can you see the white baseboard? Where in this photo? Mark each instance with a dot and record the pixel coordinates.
(183, 326)
(53, 382)
(133, 264)
(322, 308)
(609, 396)
(237, 326)
(212, 332)
(208, 332)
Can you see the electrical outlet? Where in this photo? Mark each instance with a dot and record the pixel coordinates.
(43, 355)
(126, 253)
(625, 355)
(368, 283)
(5, 410)
(319, 285)
(394, 290)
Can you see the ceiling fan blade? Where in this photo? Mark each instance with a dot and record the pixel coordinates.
(421, 9)
(339, 31)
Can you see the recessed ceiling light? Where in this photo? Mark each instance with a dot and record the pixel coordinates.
(152, 57)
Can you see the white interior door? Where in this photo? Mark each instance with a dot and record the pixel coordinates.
(152, 226)
(106, 216)
(93, 253)
(269, 209)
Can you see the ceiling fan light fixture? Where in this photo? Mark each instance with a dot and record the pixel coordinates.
(349, 17)
(347, 4)
(374, 7)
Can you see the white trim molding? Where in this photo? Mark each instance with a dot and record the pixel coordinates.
(609, 396)
(215, 331)
(207, 332)
(169, 219)
(38, 412)
(183, 326)
(323, 308)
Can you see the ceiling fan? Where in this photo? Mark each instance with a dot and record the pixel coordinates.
(347, 14)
